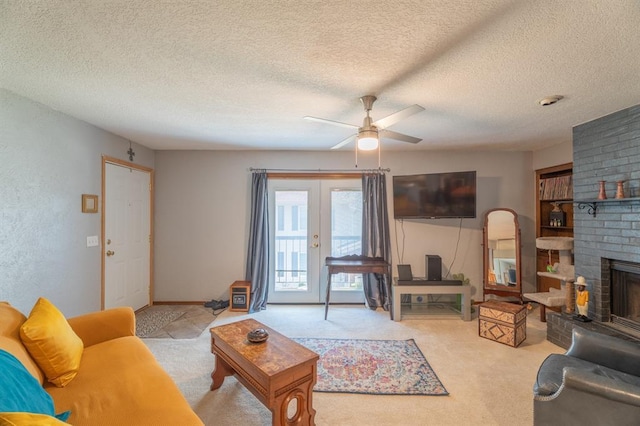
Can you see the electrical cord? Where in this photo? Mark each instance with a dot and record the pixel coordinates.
(455, 254)
(400, 254)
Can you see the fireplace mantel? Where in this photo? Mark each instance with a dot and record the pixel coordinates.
(592, 205)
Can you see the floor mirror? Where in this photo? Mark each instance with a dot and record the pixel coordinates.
(501, 254)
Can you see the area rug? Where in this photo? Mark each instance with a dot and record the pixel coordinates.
(378, 367)
(148, 322)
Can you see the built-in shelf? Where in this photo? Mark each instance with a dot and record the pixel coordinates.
(554, 187)
(592, 205)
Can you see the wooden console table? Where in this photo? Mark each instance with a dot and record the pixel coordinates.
(353, 265)
(437, 287)
(277, 371)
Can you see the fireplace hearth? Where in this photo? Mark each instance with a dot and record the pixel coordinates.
(614, 305)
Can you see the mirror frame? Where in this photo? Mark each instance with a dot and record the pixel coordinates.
(501, 290)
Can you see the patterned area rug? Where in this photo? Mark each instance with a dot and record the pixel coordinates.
(147, 322)
(379, 367)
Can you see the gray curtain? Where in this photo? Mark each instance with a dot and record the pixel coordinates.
(257, 270)
(375, 238)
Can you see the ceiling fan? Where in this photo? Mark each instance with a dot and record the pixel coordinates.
(368, 134)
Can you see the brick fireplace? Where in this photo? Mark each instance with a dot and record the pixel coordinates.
(606, 149)
(623, 279)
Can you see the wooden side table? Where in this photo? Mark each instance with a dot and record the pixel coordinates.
(353, 264)
(239, 296)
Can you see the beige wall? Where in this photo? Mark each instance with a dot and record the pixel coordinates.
(202, 205)
(553, 156)
(47, 161)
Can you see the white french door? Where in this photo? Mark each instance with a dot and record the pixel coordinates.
(311, 220)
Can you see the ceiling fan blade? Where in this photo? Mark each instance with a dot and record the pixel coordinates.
(344, 142)
(335, 123)
(392, 119)
(399, 136)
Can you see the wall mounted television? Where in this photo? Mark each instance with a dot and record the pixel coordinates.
(435, 196)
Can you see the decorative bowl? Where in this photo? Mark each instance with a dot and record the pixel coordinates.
(258, 335)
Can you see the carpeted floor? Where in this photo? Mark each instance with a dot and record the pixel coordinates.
(377, 367)
(489, 383)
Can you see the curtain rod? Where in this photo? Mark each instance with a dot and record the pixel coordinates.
(253, 169)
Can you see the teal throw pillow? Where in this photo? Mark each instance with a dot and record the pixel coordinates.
(21, 392)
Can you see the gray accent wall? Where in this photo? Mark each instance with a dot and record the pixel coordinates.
(47, 161)
(606, 149)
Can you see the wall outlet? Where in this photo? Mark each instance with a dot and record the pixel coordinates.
(92, 241)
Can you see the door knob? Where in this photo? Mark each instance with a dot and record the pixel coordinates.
(110, 253)
(314, 245)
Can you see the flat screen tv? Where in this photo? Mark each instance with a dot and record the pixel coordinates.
(435, 196)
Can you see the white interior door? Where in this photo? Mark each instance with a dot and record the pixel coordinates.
(127, 237)
(311, 220)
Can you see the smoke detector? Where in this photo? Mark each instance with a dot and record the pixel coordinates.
(549, 100)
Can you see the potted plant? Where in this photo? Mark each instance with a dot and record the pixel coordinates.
(465, 281)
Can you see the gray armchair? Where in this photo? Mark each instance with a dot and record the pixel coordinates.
(596, 382)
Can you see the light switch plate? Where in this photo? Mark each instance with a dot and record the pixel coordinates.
(92, 241)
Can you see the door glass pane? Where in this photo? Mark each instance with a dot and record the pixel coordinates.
(346, 234)
(291, 240)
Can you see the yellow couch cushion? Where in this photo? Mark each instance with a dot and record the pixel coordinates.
(121, 383)
(52, 343)
(29, 419)
(10, 321)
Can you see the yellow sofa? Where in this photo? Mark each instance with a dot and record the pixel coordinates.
(119, 381)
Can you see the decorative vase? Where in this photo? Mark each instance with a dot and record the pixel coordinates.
(620, 189)
(602, 195)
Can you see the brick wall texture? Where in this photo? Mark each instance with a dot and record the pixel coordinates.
(606, 149)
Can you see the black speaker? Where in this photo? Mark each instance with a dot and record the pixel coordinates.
(433, 267)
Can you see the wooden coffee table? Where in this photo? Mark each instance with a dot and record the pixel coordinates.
(277, 371)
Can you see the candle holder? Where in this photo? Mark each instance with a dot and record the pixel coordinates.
(602, 194)
(620, 189)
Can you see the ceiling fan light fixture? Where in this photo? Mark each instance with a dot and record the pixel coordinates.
(367, 140)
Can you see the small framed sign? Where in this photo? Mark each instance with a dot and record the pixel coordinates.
(89, 203)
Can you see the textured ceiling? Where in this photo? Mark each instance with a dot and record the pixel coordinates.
(242, 74)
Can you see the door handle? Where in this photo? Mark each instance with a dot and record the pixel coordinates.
(315, 245)
(110, 253)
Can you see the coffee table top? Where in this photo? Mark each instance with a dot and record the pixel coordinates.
(273, 356)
